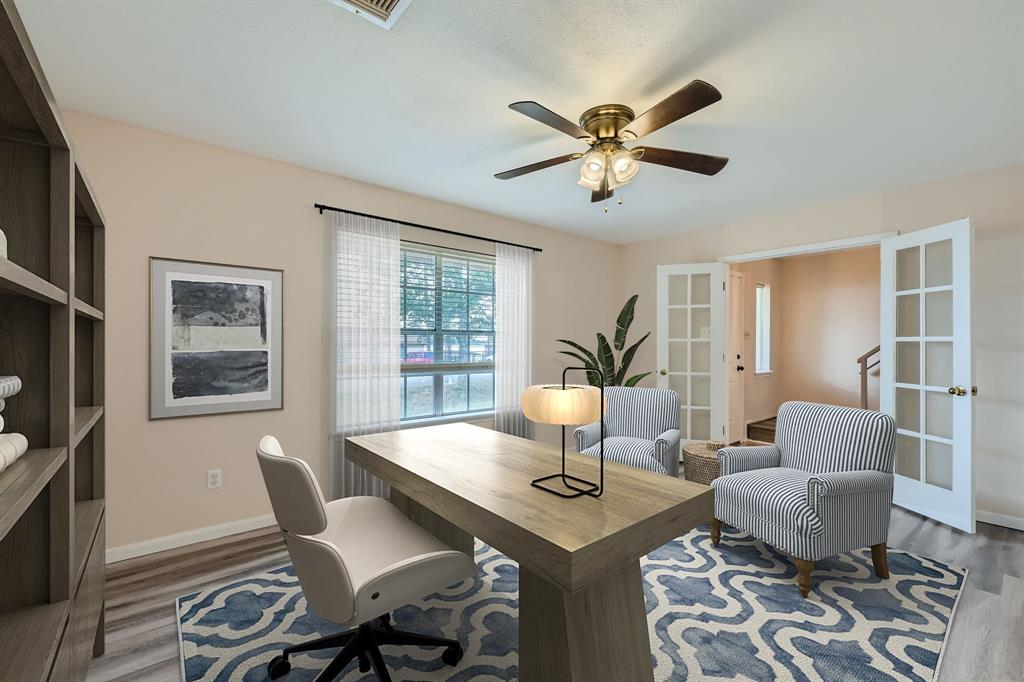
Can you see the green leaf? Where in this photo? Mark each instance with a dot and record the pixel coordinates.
(633, 380)
(586, 363)
(623, 321)
(591, 376)
(607, 358)
(627, 358)
(590, 356)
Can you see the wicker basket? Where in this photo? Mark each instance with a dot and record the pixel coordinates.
(700, 462)
(700, 459)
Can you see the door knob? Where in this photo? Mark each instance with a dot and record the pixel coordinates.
(957, 390)
(664, 372)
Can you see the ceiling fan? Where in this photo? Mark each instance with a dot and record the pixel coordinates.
(608, 163)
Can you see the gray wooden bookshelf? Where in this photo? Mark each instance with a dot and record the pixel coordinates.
(51, 335)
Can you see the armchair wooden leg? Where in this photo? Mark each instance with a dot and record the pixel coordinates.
(880, 558)
(716, 531)
(803, 579)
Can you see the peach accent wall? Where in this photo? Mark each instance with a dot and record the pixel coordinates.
(171, 197)
(831, 305)
(995, 203)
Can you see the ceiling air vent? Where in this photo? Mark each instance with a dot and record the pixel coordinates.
(384, 13)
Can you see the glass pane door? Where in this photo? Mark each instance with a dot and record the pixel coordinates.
(690, 337)
(926, 369)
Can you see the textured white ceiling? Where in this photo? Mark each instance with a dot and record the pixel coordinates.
(820, 99)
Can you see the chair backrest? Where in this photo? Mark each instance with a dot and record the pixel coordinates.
(294, 493)
(299, 508)
(824, 438)
(640, 412)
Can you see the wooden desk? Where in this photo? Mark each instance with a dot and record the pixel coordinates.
(581, 601)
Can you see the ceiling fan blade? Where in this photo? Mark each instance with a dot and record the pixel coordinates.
(687, 161)
(602, 192)
(540, 165)
(550, 118)
(683, 102)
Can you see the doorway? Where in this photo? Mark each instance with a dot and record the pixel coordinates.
(800, 324)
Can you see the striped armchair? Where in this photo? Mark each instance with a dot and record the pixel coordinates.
(823, 488)
(641, 429)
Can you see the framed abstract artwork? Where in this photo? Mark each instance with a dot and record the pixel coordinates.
(215, 338)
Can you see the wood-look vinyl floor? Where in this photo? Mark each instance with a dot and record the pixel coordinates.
(142, 634)
(986, 643)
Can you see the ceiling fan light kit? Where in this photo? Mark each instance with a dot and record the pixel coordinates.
(609, 164)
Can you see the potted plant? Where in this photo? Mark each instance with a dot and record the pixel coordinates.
(614, 369)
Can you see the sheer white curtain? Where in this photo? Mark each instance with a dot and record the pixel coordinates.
(513, 337)
(367, 311)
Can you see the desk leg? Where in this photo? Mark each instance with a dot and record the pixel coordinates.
(449, 534)
(597, 634)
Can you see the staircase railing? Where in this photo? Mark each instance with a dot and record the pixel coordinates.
(863, 361)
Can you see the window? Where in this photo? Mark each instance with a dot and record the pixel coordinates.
(447, 333)
(762, 328)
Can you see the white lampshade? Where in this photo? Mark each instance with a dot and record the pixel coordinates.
(556, 405)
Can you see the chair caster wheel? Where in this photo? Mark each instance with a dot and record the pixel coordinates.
(452, 655)
(364, 664)
(278, 667)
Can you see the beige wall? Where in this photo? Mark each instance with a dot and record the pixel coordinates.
(830, 303)
(994, 201)
(170, 197)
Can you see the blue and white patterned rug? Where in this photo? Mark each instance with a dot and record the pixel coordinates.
(732, 612)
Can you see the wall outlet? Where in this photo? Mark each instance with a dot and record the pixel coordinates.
(214, 479)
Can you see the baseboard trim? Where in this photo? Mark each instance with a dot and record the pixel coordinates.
(1015, 522)
(137, 549)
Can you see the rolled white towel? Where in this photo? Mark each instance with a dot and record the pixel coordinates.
(9, 385)
(3, 404)
(1, 422)
(8, 454)
(17, 440)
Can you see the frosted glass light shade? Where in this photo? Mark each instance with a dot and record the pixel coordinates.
(592, 170)
(553, 404)
(624, 166)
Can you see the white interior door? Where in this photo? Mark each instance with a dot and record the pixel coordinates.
(734, 362)
(691, 346)
(926, 369)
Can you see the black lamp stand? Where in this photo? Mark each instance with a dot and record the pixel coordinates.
(592, 489)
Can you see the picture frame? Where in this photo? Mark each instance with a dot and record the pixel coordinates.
(215, 338)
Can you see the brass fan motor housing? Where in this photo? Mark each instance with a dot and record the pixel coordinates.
(605, 121)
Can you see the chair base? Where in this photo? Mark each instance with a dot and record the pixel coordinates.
(363, 643)
(879, 558)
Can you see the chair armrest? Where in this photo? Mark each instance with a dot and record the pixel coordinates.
(666, 449)
(837, 483)
(587, 436)
(736, 459)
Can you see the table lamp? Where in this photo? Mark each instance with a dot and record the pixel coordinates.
(562, 405)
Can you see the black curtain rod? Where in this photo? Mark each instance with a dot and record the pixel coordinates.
(325, 207)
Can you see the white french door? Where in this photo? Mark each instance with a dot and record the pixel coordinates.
(926, 369)
(691, 346)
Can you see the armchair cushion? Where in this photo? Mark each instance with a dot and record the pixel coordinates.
(777, 496)
(635, 452)
(750, 458)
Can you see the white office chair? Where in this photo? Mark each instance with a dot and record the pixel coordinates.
(356, 559)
